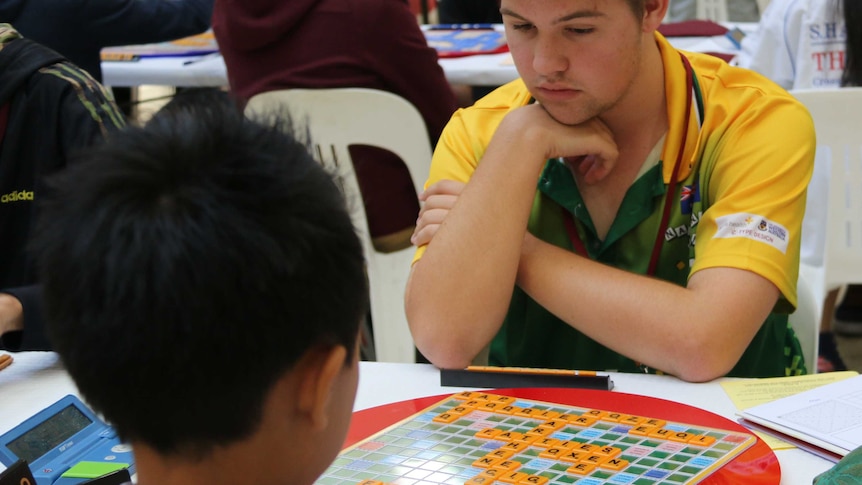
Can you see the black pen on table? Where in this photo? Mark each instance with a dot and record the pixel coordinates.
(492, 376)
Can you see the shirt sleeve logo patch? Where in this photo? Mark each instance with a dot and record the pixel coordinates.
(753, 226)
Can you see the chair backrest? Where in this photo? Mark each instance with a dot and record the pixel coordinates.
(715, 10)
(761, 5)
(837, 183)
(832, 226)
(806, 321)
(336, 119)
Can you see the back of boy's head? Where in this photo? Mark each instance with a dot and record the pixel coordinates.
(187, 265)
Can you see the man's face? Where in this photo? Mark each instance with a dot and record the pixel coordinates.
(578, 58)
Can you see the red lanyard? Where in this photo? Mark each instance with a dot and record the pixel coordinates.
(578, 245)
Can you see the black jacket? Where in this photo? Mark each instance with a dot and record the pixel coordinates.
(54, 110)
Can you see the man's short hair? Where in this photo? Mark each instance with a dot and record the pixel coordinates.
(187, 265)
(637, 7)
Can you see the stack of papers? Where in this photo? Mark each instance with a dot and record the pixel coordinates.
(826, 420)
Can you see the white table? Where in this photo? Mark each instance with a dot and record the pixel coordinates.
(196, 71)
(483, 70)
(479, 70)
(35, 380)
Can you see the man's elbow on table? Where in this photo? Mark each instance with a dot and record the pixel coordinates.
(442, 348)
(700, 358)
(434, 334)
(446, 357)
(702, 370)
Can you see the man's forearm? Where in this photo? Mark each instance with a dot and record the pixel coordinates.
(459, 291)
(697, 332)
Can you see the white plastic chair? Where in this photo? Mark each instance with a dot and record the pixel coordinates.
(806, 322)
(761, 5)
(336, 119)
(832, 227)
(715, 10)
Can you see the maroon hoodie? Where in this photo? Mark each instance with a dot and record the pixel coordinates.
(277, 44)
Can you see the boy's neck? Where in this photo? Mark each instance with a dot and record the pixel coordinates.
(156, 469)
(259, 459)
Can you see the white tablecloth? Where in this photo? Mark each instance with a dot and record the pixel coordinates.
(36, 380)
(480, 70)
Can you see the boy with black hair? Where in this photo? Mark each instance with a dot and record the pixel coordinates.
(207, 297)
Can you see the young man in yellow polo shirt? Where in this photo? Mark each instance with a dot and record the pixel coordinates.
(623, 205)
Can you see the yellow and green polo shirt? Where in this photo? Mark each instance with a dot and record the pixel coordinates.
(747, 159)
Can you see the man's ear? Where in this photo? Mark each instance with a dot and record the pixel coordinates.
(654, 12)
(318, 375)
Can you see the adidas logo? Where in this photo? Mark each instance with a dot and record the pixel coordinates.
(15, 196)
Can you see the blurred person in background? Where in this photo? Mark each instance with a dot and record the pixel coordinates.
(49, 110)
(469, 12)
(805, 44)
(79, 29)
(318, 44)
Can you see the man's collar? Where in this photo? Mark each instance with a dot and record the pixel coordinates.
(677, 97)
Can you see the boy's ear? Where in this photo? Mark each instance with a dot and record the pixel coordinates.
(654, 12)
(319, 373)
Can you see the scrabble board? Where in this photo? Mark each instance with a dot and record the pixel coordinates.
(474, 438)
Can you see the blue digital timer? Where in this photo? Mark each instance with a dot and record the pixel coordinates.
(65, 444)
